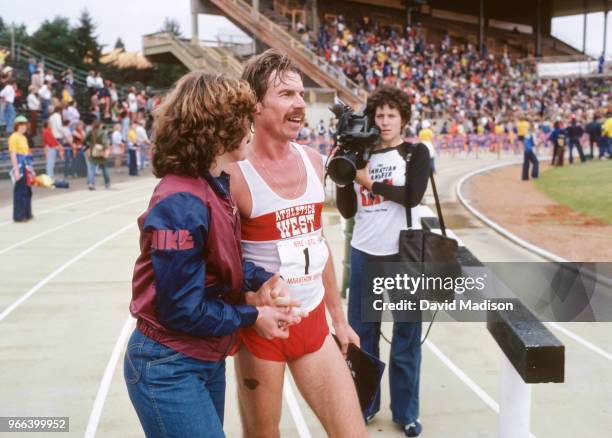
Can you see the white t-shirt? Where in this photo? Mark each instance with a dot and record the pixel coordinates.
(379, 221)
(132, 103)
(141, 134)
(8, 93)
(56, 125)
(116, 138)
(44, 92)
(33, 102)
(90, 81)
(72, 114)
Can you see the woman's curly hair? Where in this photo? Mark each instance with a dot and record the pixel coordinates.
(202, 117)
(392, 96)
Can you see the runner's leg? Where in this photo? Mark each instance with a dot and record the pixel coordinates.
(260, 394)
(325, 382)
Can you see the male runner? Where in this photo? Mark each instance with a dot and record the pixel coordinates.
(279, 192)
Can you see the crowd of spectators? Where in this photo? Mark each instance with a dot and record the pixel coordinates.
(454, 82)
(65, 115)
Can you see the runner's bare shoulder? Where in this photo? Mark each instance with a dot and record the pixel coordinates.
(239, 189)
(316, 159)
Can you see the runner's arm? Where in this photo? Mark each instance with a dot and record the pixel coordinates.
(344, 332)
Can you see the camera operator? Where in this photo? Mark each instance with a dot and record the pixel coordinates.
(378, 199)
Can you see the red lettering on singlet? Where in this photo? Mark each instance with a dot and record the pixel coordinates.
(283, 224)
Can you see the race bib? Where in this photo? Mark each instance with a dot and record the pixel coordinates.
(302, 259)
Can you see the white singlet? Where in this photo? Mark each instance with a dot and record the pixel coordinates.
(284, 235)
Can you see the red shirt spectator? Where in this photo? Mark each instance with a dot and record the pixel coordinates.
(48, 139)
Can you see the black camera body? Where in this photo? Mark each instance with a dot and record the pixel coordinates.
(355, 138)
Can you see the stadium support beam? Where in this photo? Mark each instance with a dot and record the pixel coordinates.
(481, 25)
(255, 9)
(584, 26)
(605, 29)
(195, 34)
(538, 29)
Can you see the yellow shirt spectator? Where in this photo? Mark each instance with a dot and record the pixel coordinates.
(426, 134)
(132, 137)
(18, 143)
(606, 129)
(499, 129)
(522, 128)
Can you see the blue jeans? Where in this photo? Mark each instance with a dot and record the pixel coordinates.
(45, 109)
(9, 117)
(51, 159)
(143, 155)
(132, 162)
(575, 143)
(92, 167)
(530, 157)
(22, 198)
(405, 361)
(174, 395)
(68, 166)
(605, 146)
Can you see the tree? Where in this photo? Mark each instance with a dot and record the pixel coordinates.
(21, 33)
(55, 39)
(85, 41)
(119, 44)
(171, 26)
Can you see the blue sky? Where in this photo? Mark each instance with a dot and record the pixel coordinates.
(130, 19)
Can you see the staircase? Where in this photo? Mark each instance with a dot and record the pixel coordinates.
(273, 35)
(193, 56)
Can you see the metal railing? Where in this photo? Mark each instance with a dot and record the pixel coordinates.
(24, 53)
(264, 23)
(195, 56)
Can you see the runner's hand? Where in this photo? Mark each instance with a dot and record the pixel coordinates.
(269, 292)
(346, 335)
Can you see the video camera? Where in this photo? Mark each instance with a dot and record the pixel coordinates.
(355, 137)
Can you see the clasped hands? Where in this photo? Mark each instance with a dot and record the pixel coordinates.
(276, 309)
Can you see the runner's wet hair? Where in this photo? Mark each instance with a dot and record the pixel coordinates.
(259, 68)
(202, 117)
(392, 96)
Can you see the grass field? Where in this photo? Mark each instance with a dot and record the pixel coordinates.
(585, 188)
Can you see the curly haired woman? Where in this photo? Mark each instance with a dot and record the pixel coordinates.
(191, 289)
(383, 192)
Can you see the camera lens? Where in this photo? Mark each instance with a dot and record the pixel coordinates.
(342, 169)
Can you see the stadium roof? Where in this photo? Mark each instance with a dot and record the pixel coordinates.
(511, 10)
(561, 8)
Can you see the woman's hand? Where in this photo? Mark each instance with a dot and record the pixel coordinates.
(272, 323)
(363, 177)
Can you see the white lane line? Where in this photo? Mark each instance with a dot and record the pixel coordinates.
(294, 409)
(96, 412)
(486, 398)
(581, 340)
(59, 270)
(82, 201)
(66, 224)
